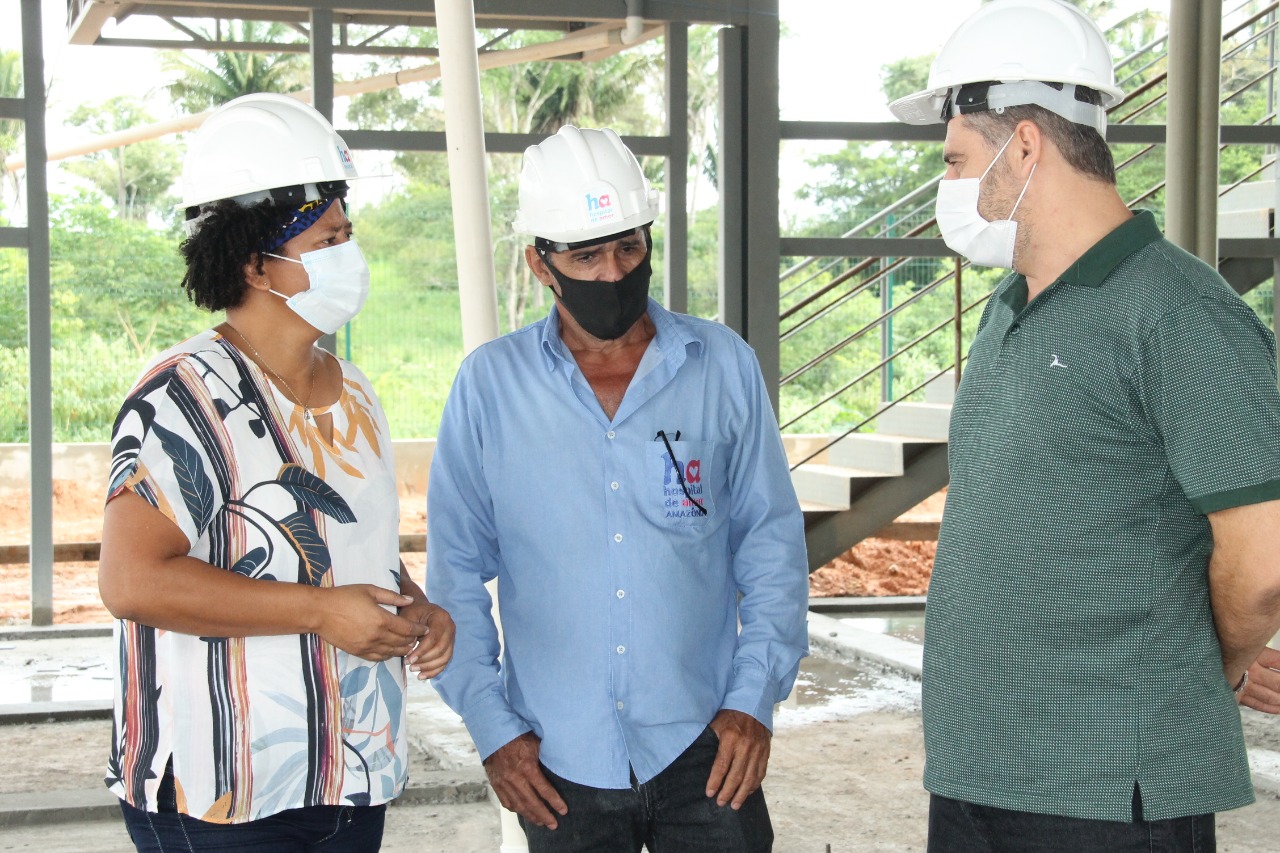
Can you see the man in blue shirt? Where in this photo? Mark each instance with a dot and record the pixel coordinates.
(618, 469)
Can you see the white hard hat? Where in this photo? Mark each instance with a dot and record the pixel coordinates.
(258, 143)
(1019, 45)
(580, 185)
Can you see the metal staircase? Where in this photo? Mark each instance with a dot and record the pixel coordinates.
(857, 479)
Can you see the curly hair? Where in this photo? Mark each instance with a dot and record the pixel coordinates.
(229, 237)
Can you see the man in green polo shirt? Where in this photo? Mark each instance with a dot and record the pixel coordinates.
(1109, 563)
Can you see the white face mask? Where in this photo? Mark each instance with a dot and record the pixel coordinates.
(966, 232)
(339, 285)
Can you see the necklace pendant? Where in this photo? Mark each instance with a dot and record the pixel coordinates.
(308, 417)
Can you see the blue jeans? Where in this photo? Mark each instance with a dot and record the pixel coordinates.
(323, 829)
(959, 827)
(669, 813)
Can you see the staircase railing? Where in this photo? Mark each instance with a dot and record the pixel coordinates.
(815, 299)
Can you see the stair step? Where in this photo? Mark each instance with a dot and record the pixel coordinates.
(918, 420)
(876, 451)
(941, 388)
(831, 486)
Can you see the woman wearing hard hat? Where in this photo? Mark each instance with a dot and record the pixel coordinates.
(250, 548)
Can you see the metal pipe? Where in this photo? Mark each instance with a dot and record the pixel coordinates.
(635, 22)
(1208, 130)
(464, 139)
(959, 308)
(582, 41)
(1183, 113)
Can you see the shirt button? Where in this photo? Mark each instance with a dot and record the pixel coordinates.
(614, 485)
(610, 434)
(622, 650)
(620, 706)
(622, 593)
(617, 537)
(1014, 330)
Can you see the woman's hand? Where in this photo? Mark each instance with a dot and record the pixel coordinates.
(354, 619)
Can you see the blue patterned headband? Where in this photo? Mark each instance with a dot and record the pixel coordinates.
(302, 218)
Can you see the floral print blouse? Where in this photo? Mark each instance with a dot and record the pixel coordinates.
(257, 725)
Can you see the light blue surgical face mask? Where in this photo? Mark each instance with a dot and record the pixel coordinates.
(339, 280)
(966, 232)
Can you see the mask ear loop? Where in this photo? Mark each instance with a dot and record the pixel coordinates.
(1024, 190)
(992, 164)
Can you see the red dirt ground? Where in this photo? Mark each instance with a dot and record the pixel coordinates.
(874, 567)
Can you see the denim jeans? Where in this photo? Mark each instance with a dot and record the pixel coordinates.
(323, 829)
(669, 813)
(959, 827)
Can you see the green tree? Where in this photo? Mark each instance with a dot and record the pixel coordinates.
(115, 277)
(136, 176)
(204, 84)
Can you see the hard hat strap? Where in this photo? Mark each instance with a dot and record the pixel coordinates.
(542, 244)
(1078, 104)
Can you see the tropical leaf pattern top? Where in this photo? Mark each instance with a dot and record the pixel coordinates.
(257, 725)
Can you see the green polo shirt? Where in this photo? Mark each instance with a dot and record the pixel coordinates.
(1069, 645)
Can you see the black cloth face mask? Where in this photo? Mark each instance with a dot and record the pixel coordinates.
(606, 309)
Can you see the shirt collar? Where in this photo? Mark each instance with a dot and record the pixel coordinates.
(1092, 268)
(670, 336)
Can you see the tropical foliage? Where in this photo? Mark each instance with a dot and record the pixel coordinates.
(202, 84)
(116, 270)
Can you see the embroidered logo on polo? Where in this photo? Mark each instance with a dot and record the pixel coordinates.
(1057, 362)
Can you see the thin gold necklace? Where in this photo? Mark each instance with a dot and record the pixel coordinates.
(311, 380)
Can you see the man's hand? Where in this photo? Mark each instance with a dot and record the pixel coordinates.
(1262, 693)
(429, 658)
(354, 619)
(741, 761)
(517, 779)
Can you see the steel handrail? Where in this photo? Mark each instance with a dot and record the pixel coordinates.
(882, 273)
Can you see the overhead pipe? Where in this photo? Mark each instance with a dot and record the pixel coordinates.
(585, 40)
(635, 22)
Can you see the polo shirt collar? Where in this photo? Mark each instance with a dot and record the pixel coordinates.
(1093, 267)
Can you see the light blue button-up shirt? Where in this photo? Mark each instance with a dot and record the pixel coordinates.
(620, 603)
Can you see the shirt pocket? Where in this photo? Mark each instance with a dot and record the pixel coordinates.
(689, 465)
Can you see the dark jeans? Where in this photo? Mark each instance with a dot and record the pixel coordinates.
(669, 813)
(959, 827)
(324, 829)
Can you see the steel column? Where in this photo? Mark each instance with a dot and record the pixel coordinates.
(39, 319)
(731, 176)
(761, 178)
(322, 91)
(676, 257)
(1208, 122)
(1180, 134)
